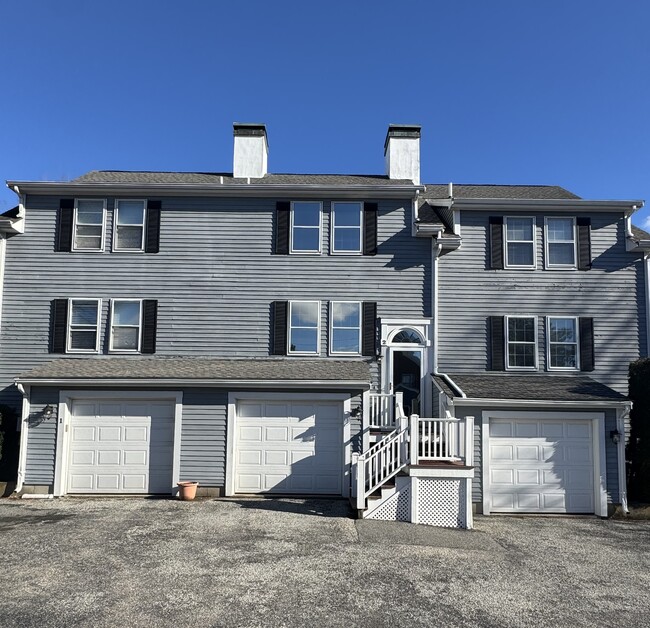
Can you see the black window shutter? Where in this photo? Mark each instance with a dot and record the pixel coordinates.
(497, 344)
(282, 211)
(369, 330)
(370, 229)
(279, 326)
(496, 242)
(149, 324)
(59, 325)
(586, 344)
(63, 241)
(152, 230)
(584, 243)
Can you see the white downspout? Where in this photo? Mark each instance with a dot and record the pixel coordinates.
(22, 455)
(621, 415)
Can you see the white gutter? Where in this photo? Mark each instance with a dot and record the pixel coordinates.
(221, 383)
(24, 423)
(547, 204)
(613, 403)
(216, 189)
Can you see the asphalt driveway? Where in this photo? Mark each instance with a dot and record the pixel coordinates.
(136, 562)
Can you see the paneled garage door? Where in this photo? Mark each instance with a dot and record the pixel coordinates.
(541, 466)
(289, 447)
(121, 446)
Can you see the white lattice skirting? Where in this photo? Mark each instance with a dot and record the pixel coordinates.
(397, 507)
(441, 502)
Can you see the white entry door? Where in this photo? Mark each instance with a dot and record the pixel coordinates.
(120, 446)
(289, 447)
(541, 466)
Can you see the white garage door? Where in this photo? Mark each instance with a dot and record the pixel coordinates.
(541, 466)
(289, 447)
(121, 446)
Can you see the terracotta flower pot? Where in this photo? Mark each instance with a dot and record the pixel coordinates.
(187, 490)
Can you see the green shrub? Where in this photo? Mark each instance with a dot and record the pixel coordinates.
(638, 449)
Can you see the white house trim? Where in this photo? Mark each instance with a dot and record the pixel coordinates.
(537, 403)
(66, 397)
(621, 415)
(23, 426)
(234, 397)
(598, 435)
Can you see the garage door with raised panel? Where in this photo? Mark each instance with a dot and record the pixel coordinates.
(121, 446)
(541, 466)
(289, 447)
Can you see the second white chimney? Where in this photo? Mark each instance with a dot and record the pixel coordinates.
(251, 151)
(402, 152)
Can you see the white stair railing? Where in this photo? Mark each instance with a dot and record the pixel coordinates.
(438, 439)
(381, 462)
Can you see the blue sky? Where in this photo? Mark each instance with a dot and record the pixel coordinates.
(506, 91)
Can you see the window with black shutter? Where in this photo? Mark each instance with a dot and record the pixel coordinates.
(370, 228)
(369, 330)
(279, 310)
(149, 325)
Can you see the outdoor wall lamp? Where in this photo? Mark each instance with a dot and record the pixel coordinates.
(615, 435)
(47, 411)
(355, 413)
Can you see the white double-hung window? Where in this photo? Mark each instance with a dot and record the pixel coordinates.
(346, 227)
(560, 243)
(83, 325)
(129, 225)
(345, 327)
(126, 323)
(89, 221)
(562, 335)
(521, 341)
(520, 242)
(306, 227)
(304, 327)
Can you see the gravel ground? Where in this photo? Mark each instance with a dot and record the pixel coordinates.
(138, 562)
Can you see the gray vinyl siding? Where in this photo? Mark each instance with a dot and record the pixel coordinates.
(611, 292)
(214, 278)
(611, 454)
(203, 436)
(204, 427)
(41, 437)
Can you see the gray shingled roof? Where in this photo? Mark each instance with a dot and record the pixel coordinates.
(135, 368)
(461, 190)
(226, 178)
(530, 387)
(639, 233)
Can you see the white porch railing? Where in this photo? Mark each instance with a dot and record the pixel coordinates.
(447, 439)
(385, 409)
(415, 440)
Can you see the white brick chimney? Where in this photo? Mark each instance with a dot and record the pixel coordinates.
(402, 152)
(251, 151)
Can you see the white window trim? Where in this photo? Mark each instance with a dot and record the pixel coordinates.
(68, 343)
(507, 342)
(333, 228)
(110, 327)
(289, 328)
(506, 264)
(331, 328)
(116, 210)
(547, 258)
(320, 230)
(548, 344)
(74, 226)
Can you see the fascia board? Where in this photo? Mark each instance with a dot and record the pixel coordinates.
(547, 204)
(518, 403)
(221, 383)
(194, 189)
